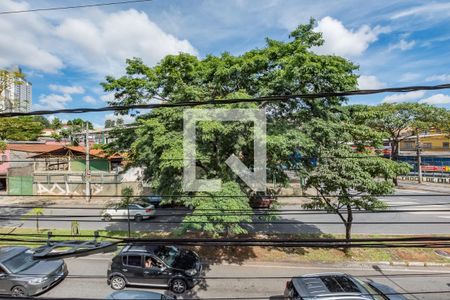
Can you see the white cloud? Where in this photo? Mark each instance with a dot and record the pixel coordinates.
(403, 45)
(436, 99)
(441, 77)
(52, 101)
(67, 89)
(409, 76)
(89, 99)
(107, 97)
(369, 82)
(404, 97)
(95, 41)
(342, 41)
(25, 40)
(102, 44)
(428, 9)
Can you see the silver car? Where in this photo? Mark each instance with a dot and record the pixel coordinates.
(135, 295)
(136, 212)
(23, 276)
(335, 286)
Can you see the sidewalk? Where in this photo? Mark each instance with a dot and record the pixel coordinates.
(436, 188)
(53, 200)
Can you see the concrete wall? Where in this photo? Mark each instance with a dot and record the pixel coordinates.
(74, 183)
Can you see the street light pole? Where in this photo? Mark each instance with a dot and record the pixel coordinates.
(88, 171)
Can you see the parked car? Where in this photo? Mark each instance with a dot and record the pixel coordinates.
(137, 212)
(335, 286)
(158, 266)
(261, 201)
(151, 200)
(23, 276)
(137, 295)
(157, 201)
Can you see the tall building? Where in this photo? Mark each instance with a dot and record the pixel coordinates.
(17, 95)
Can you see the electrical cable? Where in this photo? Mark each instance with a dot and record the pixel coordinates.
(248, 298)
(72, 7)
(223, 196)
(287, 222)
(228, 101)
(396, 275)
(237, 214)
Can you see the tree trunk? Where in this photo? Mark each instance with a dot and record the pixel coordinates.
(37, 223)
(348, 229)
(394, 157)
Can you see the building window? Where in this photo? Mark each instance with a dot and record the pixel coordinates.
(446, 145)
(409, 145)
(426, 145)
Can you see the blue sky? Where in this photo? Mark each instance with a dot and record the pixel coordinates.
(66, 54)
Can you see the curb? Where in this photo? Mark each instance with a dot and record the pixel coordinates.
(362, 264)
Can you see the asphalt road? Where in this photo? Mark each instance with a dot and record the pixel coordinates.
(404, 280)
(435, 213)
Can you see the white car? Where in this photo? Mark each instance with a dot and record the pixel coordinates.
(137, 212)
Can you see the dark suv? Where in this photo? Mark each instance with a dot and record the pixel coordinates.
(157, 266)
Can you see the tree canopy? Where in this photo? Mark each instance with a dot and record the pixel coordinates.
(310, 127)
(20, 129)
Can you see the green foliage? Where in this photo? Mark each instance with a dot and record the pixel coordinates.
(43, 120)
(20, 129)
(398, 120)
(58, 137)
(346, 180)
(56, 123)
(279, 68)
(2, 146)
(212, 211)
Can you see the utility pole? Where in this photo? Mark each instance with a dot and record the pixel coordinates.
(88, 171)
(419, 157)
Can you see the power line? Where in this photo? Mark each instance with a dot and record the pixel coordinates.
(273, 213)
(409, 242)
(72, 7)
(227, 196)
(286, 222)
(279, 98)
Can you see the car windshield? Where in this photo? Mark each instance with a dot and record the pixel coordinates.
(370, 290)
(20, 262)
(167, 254)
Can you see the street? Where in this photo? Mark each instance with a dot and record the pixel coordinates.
(434, 209)
(87, 279)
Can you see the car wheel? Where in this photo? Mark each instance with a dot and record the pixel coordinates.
(19, 291)
(107, 217)
(178, 286)
(118, 283)
(138, 218)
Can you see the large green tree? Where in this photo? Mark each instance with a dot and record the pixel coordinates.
(311, 127)
(345, 173)
(20, 129)
(399, 120)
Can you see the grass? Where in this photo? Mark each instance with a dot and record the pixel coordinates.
(235, 254)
